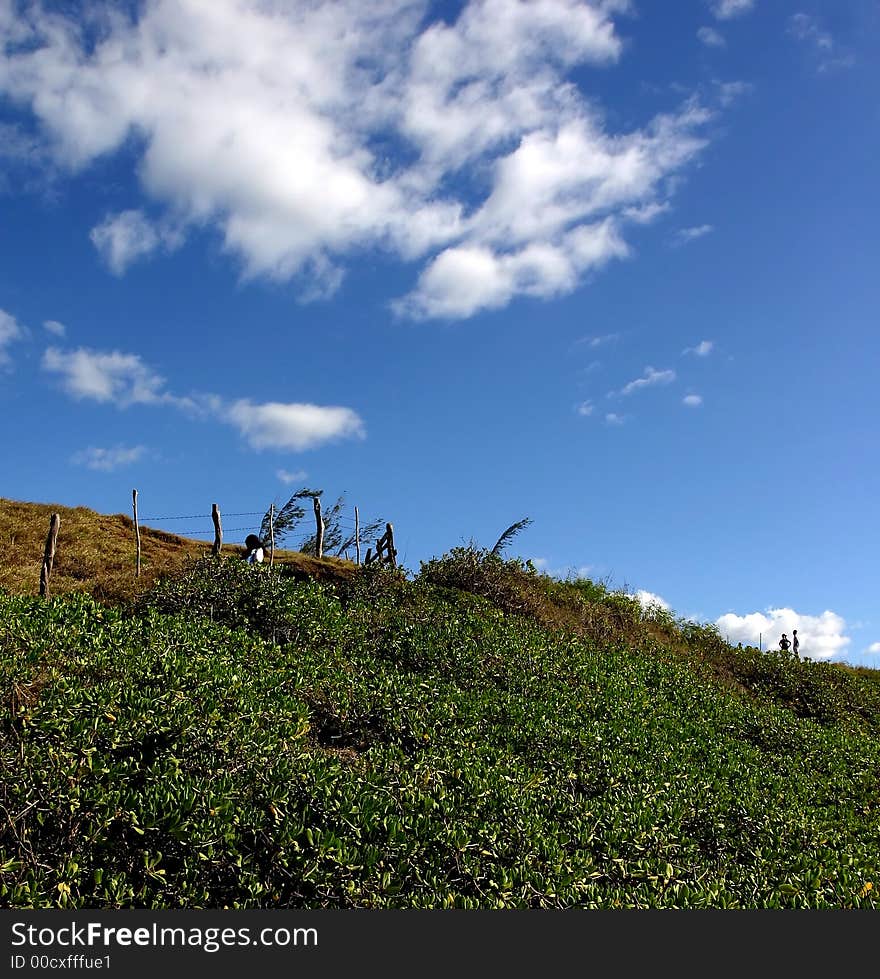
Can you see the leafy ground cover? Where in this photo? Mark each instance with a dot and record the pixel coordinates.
(479, 736)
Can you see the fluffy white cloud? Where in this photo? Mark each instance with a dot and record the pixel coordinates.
(99, 376)
(647, 599)
(651, 378)
(692, 400)
(123, 238)
(702, 349)
(821, 636)
(10, 331)
(301, 132)
(727, 9)
(287, 477)
(873, 648)
(106, 460)
(292, 426)
(711, 38)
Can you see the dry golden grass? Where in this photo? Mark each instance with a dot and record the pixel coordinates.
(96, 553)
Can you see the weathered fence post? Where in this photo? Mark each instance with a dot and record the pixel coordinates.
(218, 530)
(137, 533)
(319, 529)
(49, 554)
(392, 554)
(271, 535)
(357, 535)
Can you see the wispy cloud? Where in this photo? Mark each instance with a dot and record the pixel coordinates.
(728, 9)
(259, 122)
(287, 477)
(821, 636)
(585, 409)
(730, 92)
(124, 238)
(55, 328)
(692, 400)
(124, 380)
(107, 460)
(808, 29)
(702, 349)
(10, 331)
(613, 418)
(651, 378)
(599, 341)
(685, 235)
(711, 38)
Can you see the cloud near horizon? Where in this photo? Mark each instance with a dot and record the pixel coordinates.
(270, 124)
(124, 380)
(821, 637)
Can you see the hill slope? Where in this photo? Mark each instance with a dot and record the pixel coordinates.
(481, 736)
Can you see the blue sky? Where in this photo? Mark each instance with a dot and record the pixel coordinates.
(608, 265)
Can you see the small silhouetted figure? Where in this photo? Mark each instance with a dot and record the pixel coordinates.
(784, 643)
(254, 549)
(794, 641)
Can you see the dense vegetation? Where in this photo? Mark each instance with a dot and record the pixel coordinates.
(476, 735)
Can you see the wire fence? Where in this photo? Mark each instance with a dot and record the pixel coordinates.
(290, 540)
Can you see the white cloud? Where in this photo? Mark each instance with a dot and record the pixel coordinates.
(804, 27)
(729, 92)
(685, 235)
(122, 379)
(54, 327)
(10, 331)
(727, 9)
(293, 427)
(600, 341)
(702, 349)
(821, 636)
(711, 38)
(649, 600)
(585, 409)
(692, 400)
(612, 418)
(873, 648)
(651, 378)
(270, 124)
(808, 30)
(287, 477)
(121, 239)
(106, 460)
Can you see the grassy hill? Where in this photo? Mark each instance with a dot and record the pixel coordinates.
(474, 735)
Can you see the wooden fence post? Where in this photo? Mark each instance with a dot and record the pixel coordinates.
(137, 533)
(49, 554)
(392, 554)
(218, 530)
(319, 529)
(357, 535)
(271, 535)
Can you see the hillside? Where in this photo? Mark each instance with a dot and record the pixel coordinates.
(96, 553)
(474, 735)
